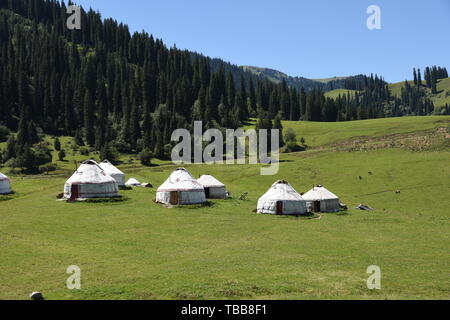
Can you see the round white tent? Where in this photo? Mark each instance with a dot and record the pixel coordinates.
(112, 170)
(90, 181)
(180, 188)
(282, 199)
(214, 189)
(5, 185)
(132, 182)
(322, 200)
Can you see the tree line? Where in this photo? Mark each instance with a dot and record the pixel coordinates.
(114, 91)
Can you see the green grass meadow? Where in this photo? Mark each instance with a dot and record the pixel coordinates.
(137, 249)
(324, 133)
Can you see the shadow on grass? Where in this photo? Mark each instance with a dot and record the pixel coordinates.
(125, 188)
(207, 204)
(342, 213)
(8, 196)
(102, 200)
(153, 165)
(306, 216)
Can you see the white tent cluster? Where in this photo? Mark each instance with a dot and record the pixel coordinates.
(214, 189)
(282, 199)
(90, 181)
(93, 180)
(110, 169)
(180, 188)
(5, 184)
(320, 199)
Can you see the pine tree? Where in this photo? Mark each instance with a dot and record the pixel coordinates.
(433, 81)
(61, 155)
(231, 92)
(89, 132)
(135, 129)
(252, 99)
(23, 135)
(102, 117)
(57, 144)
(302, 104)
(278, 126)
(10, 151)
(428, 77)
(419, 78)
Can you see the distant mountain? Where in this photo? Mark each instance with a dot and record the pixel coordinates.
(278, 76)
(275, 76)
(298, 82)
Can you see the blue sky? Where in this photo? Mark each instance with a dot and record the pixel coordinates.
(314, 39)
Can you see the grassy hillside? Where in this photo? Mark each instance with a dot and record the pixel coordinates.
(140, 250)
(443, 95)
(439, 99)
(335, 93)
(322, 133)
(326, 80)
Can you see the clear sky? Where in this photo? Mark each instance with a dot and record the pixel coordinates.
(314, 39)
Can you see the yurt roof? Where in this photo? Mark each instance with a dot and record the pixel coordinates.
(319, 193)
(209, 181)
(3, 177)
(281, 190)
(132, 182)
(90, 172)
(180, 180)
(109, 167)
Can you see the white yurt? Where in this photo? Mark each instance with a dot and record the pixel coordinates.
(214, 189)
(112, 170)
(5, 185)
(322, 200)
(180, 188)
(282, 199)
(90, 181)
(132, 182)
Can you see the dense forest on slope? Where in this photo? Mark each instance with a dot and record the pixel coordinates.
(113, 90)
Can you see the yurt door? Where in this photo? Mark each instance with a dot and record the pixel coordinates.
(174, 198)
(74, 192)
(207, 193)
(316, 206)
(279, 208)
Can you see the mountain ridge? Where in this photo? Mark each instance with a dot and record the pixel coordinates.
(326, 84)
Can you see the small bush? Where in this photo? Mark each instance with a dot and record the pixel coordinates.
(4, 133)
(42, 155)
(57, 144)
(290, 136)
(79, 138)
(110, 153)
(84, 151)
(122, 146)
(146, 157)
(48, 168)
(61, 154)
(293, 147)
